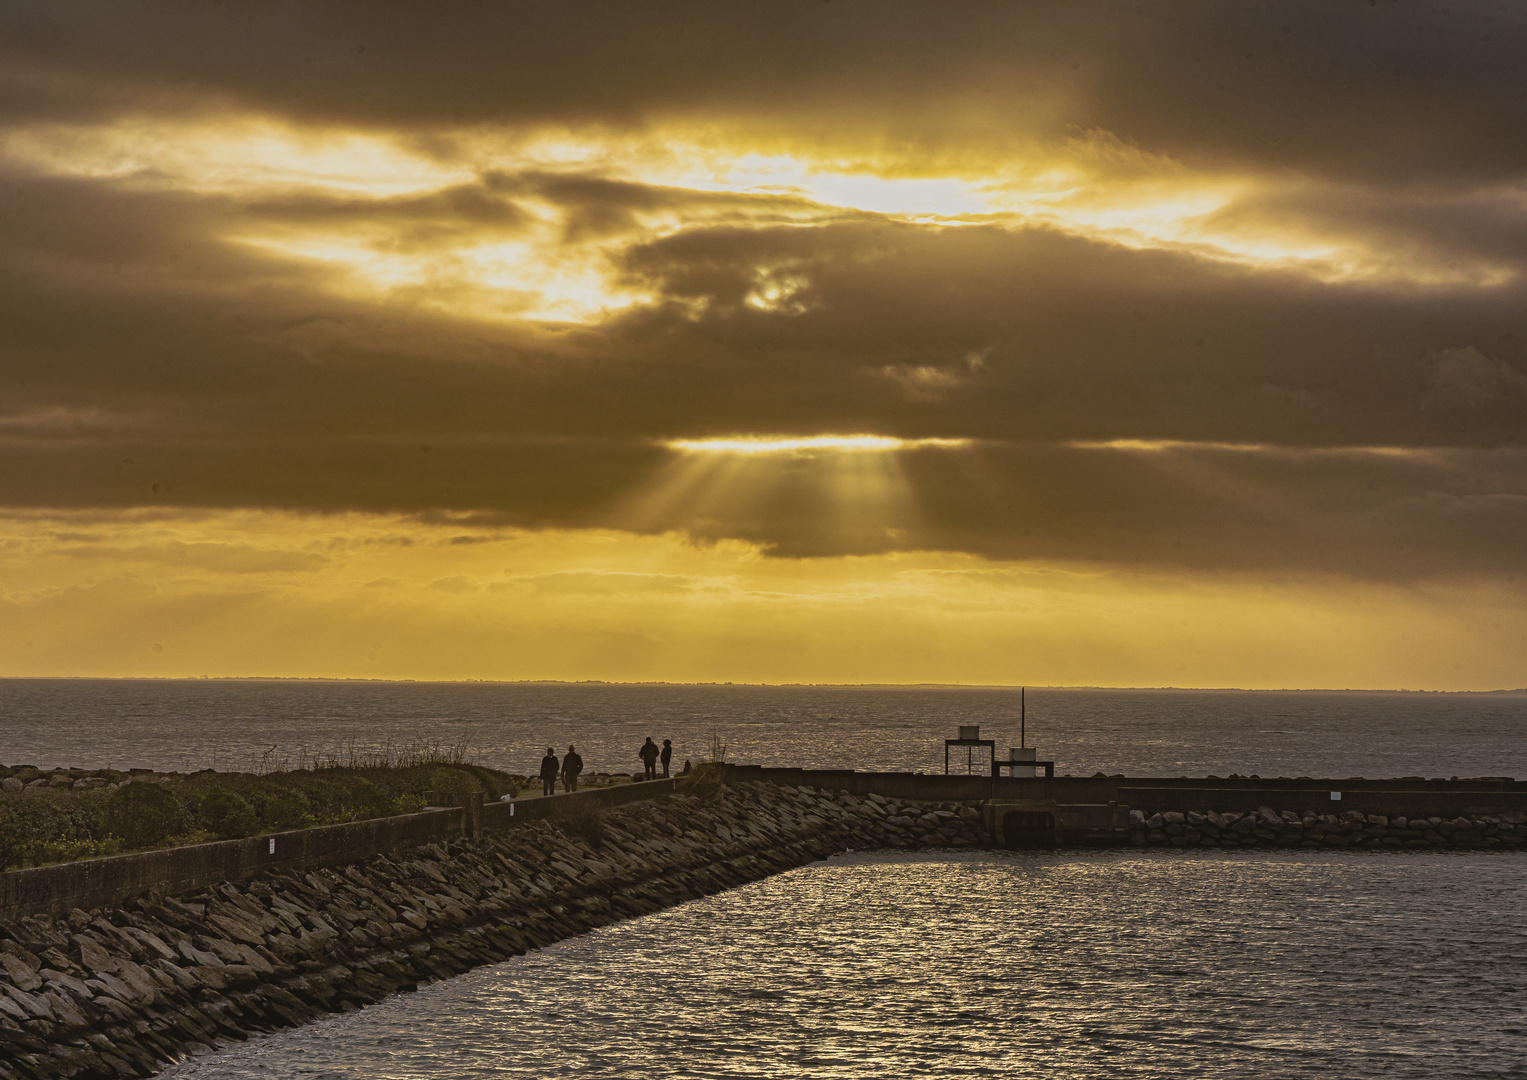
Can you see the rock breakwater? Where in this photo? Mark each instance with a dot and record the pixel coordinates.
(1266, 827)
(124, 991)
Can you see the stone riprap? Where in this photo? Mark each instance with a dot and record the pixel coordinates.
(30, 777)
(125, 991)
(1266, 827)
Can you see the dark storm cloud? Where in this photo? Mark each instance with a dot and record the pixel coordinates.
(286, 400)
(1385, 91)
(971, 332)
(1075, 339)
(151, 360)
(1360, 514)
(467, 207)
(595, 207)
(1415, 224)
(590, 207)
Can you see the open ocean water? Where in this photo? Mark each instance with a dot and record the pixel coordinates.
(940, 964)
(235, 724)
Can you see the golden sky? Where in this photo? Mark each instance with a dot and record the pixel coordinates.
(1106, 344)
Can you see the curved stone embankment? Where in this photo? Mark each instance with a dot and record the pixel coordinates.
(1266, 827)
(124, 991)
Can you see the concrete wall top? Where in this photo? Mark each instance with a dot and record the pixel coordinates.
(1353, 783)
(929, 787)
(506, 813)
(1448, 798)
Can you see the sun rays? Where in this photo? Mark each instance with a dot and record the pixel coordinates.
(837, 492)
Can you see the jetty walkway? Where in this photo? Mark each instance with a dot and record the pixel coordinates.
(118, 966)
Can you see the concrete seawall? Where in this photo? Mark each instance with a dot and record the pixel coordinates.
(124, 989)
(1266, 827)
(1078, 805)
(1113, 810)
(1405, 796)
(111, 880)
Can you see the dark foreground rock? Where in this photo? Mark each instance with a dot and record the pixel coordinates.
(124, 992)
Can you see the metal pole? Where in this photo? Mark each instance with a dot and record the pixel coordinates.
(1023, 716)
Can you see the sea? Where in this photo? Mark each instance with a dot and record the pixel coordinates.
(262, 724)
(1064, 964)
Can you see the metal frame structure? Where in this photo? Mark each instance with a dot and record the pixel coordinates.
(991, 744)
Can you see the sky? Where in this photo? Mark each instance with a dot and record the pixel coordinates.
(1052, 343)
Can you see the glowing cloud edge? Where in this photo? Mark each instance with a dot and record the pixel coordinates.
(790, 444)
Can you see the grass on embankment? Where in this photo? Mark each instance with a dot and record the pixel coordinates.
(78, 814)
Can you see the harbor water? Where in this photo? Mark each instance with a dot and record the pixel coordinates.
(1061, 965)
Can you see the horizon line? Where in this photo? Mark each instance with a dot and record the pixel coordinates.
(772, 685)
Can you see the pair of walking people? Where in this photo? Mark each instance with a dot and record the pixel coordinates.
(568, 769)
(650, 755)
(570, 766)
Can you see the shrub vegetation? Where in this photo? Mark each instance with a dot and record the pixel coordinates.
(144, 814)
(56, 824)
(225, 815)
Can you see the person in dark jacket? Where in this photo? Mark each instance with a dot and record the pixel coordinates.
(549, 770)
(572, 765)
(666, 756)
(648, 754)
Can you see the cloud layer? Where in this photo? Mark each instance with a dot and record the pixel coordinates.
(1208, 290)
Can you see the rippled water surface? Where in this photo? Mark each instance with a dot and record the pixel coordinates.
(1212, 964)
(231, 723)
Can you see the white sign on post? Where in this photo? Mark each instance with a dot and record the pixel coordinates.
(1336, 796)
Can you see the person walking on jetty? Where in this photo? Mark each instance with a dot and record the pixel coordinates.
(572, 765)
(648, 754)
(666, 756)
(550, 767)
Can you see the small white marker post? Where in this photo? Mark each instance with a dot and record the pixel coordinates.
(272, 845)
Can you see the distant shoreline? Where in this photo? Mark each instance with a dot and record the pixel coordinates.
(754, 685)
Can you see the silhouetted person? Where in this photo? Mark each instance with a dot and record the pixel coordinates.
(572, 765)
(687, 767)
(549, 770)
(666, 756)
(648, 754)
